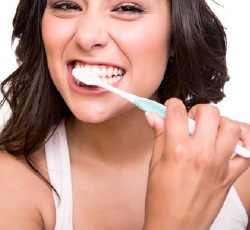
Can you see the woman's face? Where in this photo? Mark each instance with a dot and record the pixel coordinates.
(127, 43)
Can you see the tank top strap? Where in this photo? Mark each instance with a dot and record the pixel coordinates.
(59, 170)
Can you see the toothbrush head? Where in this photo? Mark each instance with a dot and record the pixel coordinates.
(86, 76)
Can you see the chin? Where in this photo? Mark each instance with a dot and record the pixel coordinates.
(91, 117)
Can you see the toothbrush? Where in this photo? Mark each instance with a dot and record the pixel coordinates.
(90, 78)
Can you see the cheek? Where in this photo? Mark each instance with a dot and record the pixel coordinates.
(55, 35)
(146, 42)
(147, 47)
(151, 49)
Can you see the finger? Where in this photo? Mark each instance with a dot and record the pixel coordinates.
(245, 137)
(158, 125)
(176, 122)
(207, 119)
(238, 164)
(228, 137)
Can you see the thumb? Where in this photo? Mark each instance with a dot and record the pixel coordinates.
(158, 125)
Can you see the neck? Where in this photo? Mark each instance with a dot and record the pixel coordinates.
(124, 140)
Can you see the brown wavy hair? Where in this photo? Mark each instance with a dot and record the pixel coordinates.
(196, 74)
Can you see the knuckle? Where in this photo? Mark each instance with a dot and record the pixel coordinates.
(159, 133)
(198, 159)
(230, 126)
(179, 152)
(206, 109)
(214, 110)
(203, 157)
(246, 131)
(204, 160)
(180, 149)
(175, 108)
(177, 112)
(174, 102)
(248, 135)
(210, 109)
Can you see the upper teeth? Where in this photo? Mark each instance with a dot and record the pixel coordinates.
(102, 71)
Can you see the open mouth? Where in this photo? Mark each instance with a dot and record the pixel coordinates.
(107, 74)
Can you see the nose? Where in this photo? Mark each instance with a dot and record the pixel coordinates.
(91, 32)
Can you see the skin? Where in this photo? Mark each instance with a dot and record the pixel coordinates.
(202, 167)
(111, 41)
(104, 125)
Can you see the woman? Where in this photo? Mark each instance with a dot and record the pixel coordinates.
(108, 166)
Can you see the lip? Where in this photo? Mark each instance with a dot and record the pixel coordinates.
(97, 62)
(88, 90)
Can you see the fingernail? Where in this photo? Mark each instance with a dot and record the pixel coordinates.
(150, 119)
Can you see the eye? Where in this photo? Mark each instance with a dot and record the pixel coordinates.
(128, 8)
(65, 6)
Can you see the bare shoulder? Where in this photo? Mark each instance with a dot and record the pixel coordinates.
(26, 201)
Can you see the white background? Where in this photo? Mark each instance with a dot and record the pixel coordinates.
(234, 15)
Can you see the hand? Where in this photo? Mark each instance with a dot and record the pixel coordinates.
(190, 176)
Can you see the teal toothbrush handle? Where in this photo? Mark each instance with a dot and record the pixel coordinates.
(155, 107)
(150, 106)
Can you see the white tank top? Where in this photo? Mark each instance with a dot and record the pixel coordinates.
(232, 216)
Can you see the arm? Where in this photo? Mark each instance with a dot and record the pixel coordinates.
(18, 216)
(19, 208)
(190, 176)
